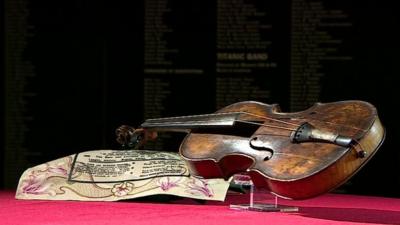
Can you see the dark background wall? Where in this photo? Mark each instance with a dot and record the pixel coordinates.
(75, 70)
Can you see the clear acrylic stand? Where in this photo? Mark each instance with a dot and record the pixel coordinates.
(259, 199)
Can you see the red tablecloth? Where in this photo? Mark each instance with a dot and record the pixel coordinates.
(326, 209)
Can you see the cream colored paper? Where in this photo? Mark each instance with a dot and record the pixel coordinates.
(111, 175)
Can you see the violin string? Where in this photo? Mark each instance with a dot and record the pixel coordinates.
(159, 121)
(242, 121)
(338, 124)
(272, 134)
(269, 118)
(294, 124)
(191, 117)
(254, 115)
(266, 125)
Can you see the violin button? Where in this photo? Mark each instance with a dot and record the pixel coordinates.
(361, 154)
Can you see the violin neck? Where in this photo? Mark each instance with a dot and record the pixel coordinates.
(187, 123)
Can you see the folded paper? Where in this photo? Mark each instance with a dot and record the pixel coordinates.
(111, 175)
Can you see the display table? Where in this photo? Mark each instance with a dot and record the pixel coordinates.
(326, 209)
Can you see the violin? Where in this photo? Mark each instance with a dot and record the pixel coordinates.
(295, 155)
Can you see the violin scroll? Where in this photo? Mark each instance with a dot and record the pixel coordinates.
(130, 138)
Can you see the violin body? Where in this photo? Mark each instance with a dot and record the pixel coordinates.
(295, 155)
(290, 170)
